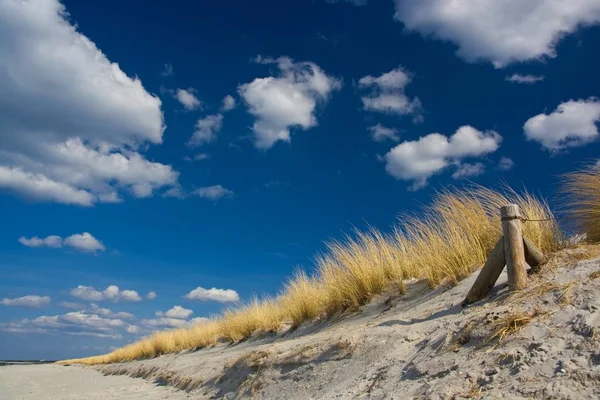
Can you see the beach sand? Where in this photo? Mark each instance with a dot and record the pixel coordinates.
(55, 382)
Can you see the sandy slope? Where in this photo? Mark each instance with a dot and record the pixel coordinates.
(53, 382)
(423, 345)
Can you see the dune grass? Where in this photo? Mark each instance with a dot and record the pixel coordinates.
(583, 194)
(445, 243)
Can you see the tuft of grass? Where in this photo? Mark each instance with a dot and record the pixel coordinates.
(450, 239)
(583, 190)
(511, 324)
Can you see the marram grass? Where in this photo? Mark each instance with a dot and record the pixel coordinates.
(583, 192)
(450, 239)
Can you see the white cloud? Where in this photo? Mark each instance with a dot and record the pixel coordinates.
(69, 304)
(79, 323)
(187, 99)
(71, 122)
(506, 163)
(468, 170)
(50, 241)
(132, 329)
(287, 100)
(112, 293)
(419, 160)
(214, 193)
(214, 294)
(151, 295)
(83, 242)
(167, 70)
(27, 301)
(502, 32)
(380, 133)
(105, 312)
(206, 130)
(198, 157)
(176, 312)
(527, 79)
(228, 103)
(387, 94)
(573, 123)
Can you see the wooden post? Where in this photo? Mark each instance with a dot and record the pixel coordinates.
(514, 249)
(489, 274)
(533, 255)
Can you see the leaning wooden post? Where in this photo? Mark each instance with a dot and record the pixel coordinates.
(533, 255)
(514, 249)
(489, 274)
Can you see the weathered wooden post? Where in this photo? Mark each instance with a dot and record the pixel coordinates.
(489, 274)
(533, 255)
(514, 248)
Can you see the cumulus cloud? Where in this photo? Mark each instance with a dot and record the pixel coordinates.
(380, 133)
(526, 79)
(287, 100)
(418, 160)
(83, 242)
(71, 122)
(79, 323)
(386, 94)
(505, 164)
(27, 301)
(112, 293)
(228, 103)
(213, 193)
(176, 312)
(151, 295)
(502, 32)
(572, 124)
(214, 294)
(468, 170)
(187, 99)
(206, 130)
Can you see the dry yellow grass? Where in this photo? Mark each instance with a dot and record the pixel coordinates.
(583, 192)
(447, 242)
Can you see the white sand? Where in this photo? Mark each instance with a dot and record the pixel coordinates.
(409, 347)
(49, 381)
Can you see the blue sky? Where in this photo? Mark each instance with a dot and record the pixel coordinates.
(204, 150)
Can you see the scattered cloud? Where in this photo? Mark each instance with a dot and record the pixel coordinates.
(187, 99)
(572, 124)
(198, 157)
(206, 130)
(72, 133)
(502, 32)
(83, 242)
(506, 163)
(27, 301)
(214, 294)
(167, 70)
(176, 312)
(380, 133)
(151, 296)
(468, 170)
(105, 312)
(132, 329)
(213, 193)
(228, 103)
(72, 305)
(526, 79)
(386, 94)
(112, 293)
(418, 160)
(287, 100)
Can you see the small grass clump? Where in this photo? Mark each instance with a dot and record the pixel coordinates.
(583, 192)
(450, 239)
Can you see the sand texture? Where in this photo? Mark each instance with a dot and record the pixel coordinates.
(422, 345)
